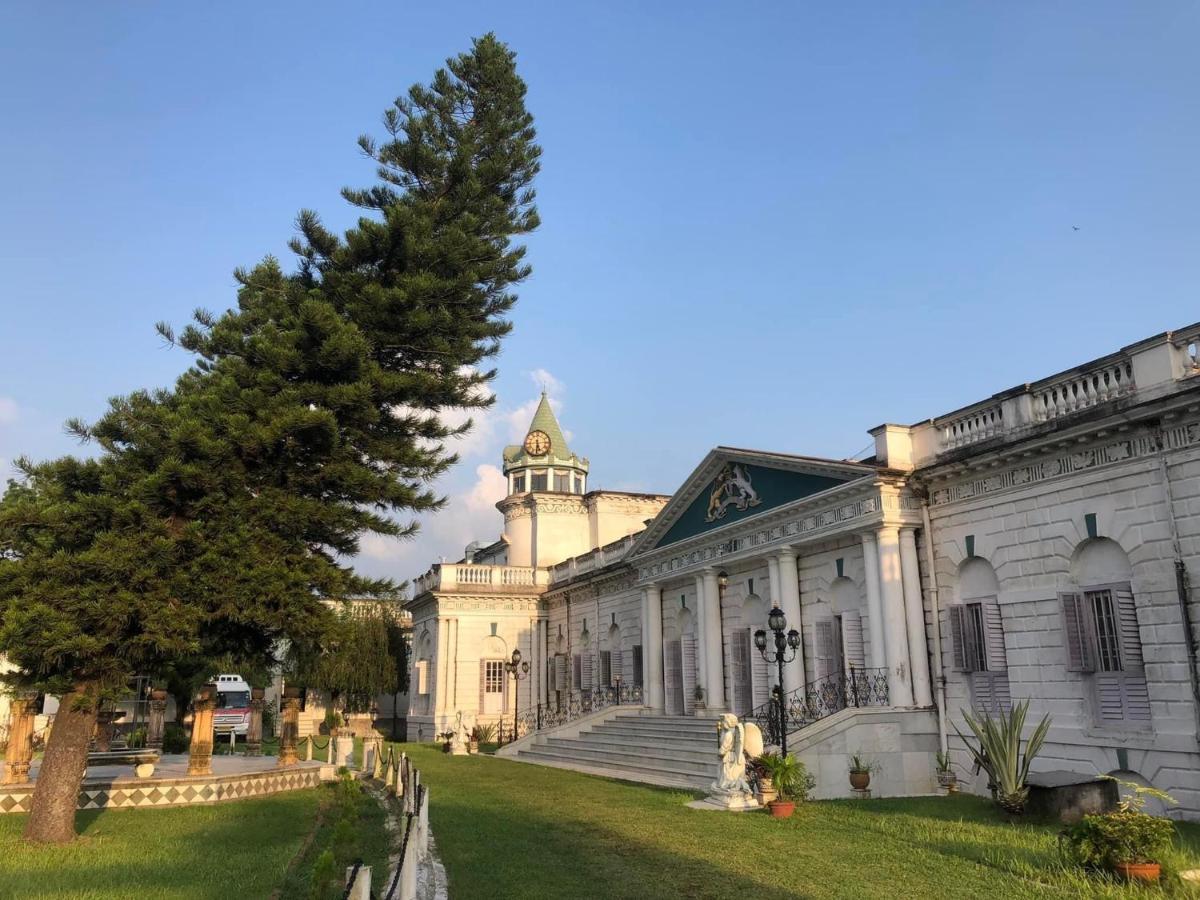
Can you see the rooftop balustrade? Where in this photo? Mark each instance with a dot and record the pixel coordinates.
(472, 577)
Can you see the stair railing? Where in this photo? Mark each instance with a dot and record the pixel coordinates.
(851, 689)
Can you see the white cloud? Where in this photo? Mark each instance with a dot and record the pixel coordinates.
(8, 410)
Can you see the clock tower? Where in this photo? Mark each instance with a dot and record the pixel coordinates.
(543, 463)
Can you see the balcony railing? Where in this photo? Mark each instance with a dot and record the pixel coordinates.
(825, 696)
(472, 577)
(610, 553)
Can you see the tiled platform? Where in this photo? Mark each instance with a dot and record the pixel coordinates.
(233, 778)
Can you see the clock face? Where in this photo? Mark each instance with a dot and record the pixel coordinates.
(537, 443)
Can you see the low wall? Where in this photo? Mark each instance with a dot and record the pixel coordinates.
(901, 742)
(133, 793)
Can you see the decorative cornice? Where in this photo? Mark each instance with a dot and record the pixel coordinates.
(459, 603)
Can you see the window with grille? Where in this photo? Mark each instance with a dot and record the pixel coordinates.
(1104, 644)
(977, 642)
(493, 676)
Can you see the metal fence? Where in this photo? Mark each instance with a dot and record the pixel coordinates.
(825, 696)
(571, 706)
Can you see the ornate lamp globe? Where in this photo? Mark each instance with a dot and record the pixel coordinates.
(793, 639)
(760, 639)
(516, 658)
(723, 578)
(776, 620)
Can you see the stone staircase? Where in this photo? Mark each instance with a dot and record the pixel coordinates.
(670, 751)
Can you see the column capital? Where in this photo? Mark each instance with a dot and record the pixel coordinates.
(788, 552)
(868, 537)
(909, 530)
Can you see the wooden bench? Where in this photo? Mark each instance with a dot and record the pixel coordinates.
(1069, 796)
(142, 760)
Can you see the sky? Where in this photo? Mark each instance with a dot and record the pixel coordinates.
(767, 225)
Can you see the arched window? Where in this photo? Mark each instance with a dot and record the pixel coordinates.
(1101, 635)
(977, 637)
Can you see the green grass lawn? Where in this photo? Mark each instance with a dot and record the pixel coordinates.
(239, 849)
(506, 829)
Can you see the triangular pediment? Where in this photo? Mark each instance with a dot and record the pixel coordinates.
(731, 485)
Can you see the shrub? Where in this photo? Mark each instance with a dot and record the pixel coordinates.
(175, 739)
(484, 734)
(1119, 837)
(324, 874)
(999, 752)
(789, 776)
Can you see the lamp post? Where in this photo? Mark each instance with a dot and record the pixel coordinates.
(784, 641)
(517, 670)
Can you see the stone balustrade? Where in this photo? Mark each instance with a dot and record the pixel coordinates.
(489, 579)
(592, 560)
(1148, 368)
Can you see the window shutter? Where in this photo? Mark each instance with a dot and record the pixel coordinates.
(1131, 635)
(759, 673)
(956, 638)
(1001, 691)
(637, 665)
(993, 627)
(482, 682)
(824, 648)
(606, 668)
(690, 675)
(560, 673)
(1077, 634)
(982, 696)
(1110, 696)
(576, 672)
(852, 640)
(587, 672)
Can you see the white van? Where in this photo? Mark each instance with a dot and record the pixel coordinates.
(233, 705)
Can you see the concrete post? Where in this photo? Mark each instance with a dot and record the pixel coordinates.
(652, 651)
(157, 722)
(19, 754)
(789, 592)
(914, 608)
(714, 652)
(254, 731)
(200, 754)
(289, 727)
(874, 600)
(895, 628)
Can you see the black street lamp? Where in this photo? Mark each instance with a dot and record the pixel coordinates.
(784, 641)
(517, 670)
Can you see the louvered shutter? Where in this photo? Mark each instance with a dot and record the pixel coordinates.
(587, 671)
(606, 668)
(852, 640)
(560, 673)
(740, 657)
(688, 648)
(993, 628)
(956, 638)
(982, 696)
(636, 675)
(673, 675)
(1135, 695)
(1077, 634)
(823, 641)
(759, 673)
(576, 672)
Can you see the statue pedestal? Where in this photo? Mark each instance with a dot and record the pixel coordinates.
(458, 747)
(729, 802)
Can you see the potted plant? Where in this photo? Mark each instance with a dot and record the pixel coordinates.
(860, 771)
(998, 752)
(698, 707)
(946, 776)
(1128, 842)
(445, 737)
(761, 776)
(481, 734)
(791, 779)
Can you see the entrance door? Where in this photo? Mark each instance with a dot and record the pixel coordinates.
(673, 676)
(743, 691)
(492, 689)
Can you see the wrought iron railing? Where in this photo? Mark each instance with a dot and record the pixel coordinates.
(545, 716)
(821, 698)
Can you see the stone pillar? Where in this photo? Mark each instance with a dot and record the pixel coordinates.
(895, 629)
(652, 648)
(914, 609)
(714, 656)
(157, 721)
(200, 754)
(874, 602)
(254, 731)
(17, 757)
(789, 593)
(701, 640)
(289, 727)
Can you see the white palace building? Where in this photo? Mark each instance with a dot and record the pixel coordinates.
(1043, 543)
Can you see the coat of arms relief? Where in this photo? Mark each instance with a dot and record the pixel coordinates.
(732, 487)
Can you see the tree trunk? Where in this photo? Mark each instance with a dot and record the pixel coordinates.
(395, 714)
(56, 791)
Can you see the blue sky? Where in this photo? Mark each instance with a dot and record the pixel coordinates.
(765, 225)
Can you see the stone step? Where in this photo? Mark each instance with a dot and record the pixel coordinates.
(643, 750)
(693, 775)
(659, 779)
(673, 721)
(699, 768)
(665, 734)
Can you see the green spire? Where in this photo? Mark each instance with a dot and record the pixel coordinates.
(545, 420)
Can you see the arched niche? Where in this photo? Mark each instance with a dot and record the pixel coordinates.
(976, 579)
(754, 612)
(614, 636)
(843, 595)
(493, 647)
(1100, 561)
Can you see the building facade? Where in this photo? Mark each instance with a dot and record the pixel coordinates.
(1041, 544)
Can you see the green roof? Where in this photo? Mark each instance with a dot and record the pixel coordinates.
(545, 420)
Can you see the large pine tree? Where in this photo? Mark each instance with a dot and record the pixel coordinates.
(220, 513)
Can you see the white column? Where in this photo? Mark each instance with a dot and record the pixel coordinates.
(789, 593)
(654, 695)
(914, 609)
(895, 629)
(701, 643)
(874, 603)
(714, 668)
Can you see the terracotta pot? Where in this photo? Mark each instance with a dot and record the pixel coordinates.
(257, 693)
(781, 809)
(860, 780)
(949, 781)
(1139, 871)
(472, 746)
(766, 790)
(158, 694)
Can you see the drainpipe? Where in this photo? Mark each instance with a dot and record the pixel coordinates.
(939, 677)
(1182, 590)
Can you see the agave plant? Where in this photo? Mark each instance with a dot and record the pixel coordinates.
(999, 752)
